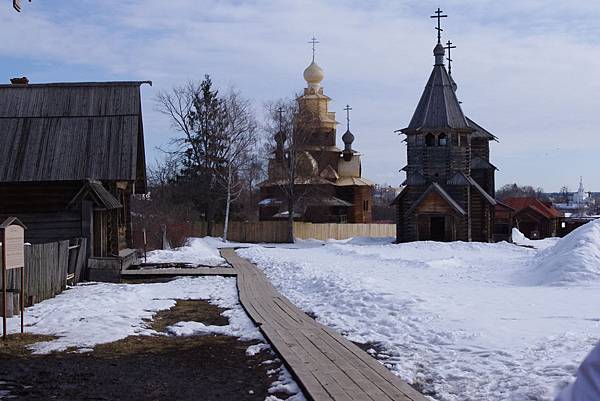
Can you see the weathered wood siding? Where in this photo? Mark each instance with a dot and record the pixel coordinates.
(276, 231)
(75, 131)
(46, 270)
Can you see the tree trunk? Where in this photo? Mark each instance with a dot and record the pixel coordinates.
(227, 204)
(290, 220)
(210, 219)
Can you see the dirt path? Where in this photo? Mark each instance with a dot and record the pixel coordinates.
(143, 368)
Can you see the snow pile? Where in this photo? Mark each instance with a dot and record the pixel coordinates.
(449, 317)
(87, 315)
(574, 260)
(520, 239)
(364, 241)
(239, 326)
(285, 384)
(197, 251)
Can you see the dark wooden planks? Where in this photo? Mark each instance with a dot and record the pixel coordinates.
(327, 366)
(71, 131)
(172, 272)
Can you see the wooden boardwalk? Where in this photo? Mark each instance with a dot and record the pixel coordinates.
(173, 272)
(327, 366)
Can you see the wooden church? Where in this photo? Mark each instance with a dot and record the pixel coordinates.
(329, 180)
(449, 192)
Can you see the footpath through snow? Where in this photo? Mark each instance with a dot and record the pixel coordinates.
(461, 320)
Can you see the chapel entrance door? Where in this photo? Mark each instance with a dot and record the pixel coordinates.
(437, 226)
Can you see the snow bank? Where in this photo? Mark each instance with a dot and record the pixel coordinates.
(453, 318)
(573, 260)
(520, 239)
(365, 241)
(197, 251)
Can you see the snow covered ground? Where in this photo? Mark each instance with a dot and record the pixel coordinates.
(197, 251)
(468, 321)
(97, 313)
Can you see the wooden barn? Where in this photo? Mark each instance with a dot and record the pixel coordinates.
(535, 218)
(329, 178)
(449, 192)
(72, 157)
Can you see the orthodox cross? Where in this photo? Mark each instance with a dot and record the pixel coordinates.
(449, 47)
(280, 112)
(348, 108)
(439, 29)
(314, 41)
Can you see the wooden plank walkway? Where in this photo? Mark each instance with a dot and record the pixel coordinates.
(172, 272)
(327, 366)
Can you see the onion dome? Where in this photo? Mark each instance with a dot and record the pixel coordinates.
(313, 74)
(347, 138)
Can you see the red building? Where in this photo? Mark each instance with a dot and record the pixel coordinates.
(535, 218)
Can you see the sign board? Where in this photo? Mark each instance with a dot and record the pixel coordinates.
(12, 233)
(14, 247)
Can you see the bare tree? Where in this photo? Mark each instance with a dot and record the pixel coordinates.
(515, 190)
(240, 130)
(217, 134)
(288, 131)
(199, 114)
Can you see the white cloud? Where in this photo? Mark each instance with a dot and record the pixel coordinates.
(524, 69)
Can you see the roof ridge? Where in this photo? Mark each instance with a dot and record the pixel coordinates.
(100, 83)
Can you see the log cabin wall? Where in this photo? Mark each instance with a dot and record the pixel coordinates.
(75, 153)
(42, 207)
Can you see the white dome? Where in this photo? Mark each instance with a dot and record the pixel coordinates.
(313, 74)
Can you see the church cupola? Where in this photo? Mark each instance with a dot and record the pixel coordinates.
(313, 74)
(348, 137)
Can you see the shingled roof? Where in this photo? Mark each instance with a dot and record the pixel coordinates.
(438, 107)
(543, 208)
(72, 131)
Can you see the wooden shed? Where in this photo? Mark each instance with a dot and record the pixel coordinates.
(72, 157)
(535, 218)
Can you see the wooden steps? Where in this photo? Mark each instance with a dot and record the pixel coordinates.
(327, 366)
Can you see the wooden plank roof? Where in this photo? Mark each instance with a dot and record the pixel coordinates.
(438, 107)
(72, 131)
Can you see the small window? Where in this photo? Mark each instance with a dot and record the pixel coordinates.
(430, 140)
(463, 140)
(366, 205)
(442, 139)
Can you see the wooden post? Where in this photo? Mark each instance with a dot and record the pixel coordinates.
(4, 277)
(22, 297)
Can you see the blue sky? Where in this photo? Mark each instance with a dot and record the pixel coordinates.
(526, 70)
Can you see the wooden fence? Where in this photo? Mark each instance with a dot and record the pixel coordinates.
(47, 269)
(276, 231)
